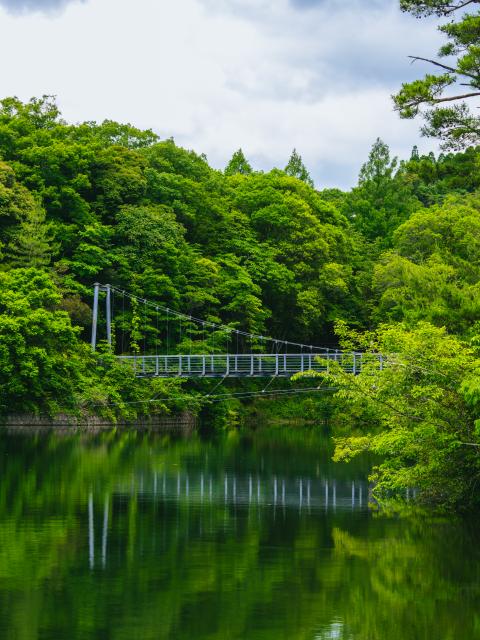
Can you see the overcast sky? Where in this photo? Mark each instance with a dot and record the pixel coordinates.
(264, 75)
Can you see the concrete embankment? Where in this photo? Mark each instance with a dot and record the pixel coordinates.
(29, 423)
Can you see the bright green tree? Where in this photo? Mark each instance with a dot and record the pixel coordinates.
(32, 244)
(433, 272)
(419, 409)
(296, 168)
(39, 348)
(238, 164)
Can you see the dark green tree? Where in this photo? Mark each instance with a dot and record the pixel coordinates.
(442, 95)
(432, 179)
(422, 8)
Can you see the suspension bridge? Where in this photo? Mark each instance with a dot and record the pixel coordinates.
(207, 349)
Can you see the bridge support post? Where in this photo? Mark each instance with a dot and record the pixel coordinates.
(96, 289)
(108, 310)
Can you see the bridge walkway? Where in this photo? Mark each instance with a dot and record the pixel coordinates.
(240, 365)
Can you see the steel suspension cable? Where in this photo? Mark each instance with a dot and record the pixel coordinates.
(217, 326)
(222, 396)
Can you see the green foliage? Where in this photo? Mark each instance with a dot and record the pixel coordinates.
(421, 8)
(40, 351)
(433, 273)
(432, 179)
(383, 198)
(422, 407)
(238, 164)
(297, 169)
(264, 253)
(31, 244)
(16, 202)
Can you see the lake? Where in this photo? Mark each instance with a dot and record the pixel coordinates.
(256, 535)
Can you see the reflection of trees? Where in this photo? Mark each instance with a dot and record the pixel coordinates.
(178, 570)
(420, 578)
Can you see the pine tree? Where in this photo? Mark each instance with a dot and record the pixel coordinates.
(297, 169)
(32, 244)
(238, 164)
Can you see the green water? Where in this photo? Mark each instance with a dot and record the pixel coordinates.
(126, 536)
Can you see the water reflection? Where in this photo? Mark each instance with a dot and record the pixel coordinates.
(256, 537)
(236, 490)
(233, 491)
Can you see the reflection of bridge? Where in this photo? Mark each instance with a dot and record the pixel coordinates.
(247, 490)
(149, 326)
(234, 492)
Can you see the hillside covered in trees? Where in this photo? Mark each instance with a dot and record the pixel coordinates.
(391, 266)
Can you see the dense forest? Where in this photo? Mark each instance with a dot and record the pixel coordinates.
(392, 267)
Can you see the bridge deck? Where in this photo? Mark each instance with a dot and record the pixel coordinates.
(255, 365)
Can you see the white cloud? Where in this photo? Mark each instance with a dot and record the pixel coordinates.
(265, 75)
(24, 6)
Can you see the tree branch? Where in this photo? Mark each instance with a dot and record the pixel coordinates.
(410, 416)
(444, 66)
(460, 6)
(465, 95)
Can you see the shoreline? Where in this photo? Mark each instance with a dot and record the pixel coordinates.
(63, 423)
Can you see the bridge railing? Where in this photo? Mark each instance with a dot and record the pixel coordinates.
(240, 365)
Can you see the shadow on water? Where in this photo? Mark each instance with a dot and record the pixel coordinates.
(255, 535)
